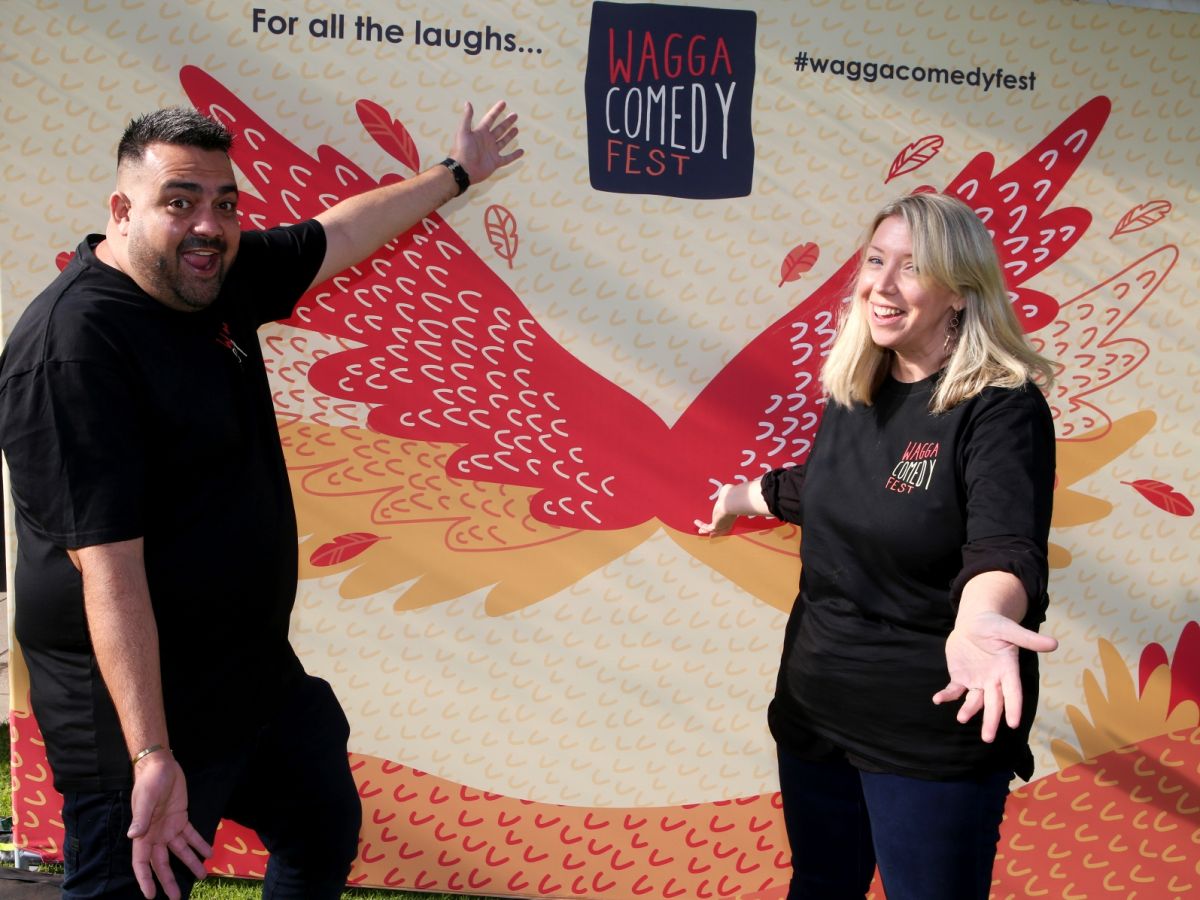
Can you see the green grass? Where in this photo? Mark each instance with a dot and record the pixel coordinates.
(5, 781)
(213, 888)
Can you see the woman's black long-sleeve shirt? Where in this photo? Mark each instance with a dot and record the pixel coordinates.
(899, 508)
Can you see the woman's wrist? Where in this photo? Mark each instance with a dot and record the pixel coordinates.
(996, 592)
(744, 499)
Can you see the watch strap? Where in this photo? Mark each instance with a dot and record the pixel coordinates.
(461, 178)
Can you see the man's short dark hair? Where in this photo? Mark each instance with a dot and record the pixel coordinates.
(176, 125)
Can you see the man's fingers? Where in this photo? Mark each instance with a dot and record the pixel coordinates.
(160, 861)
(511, 157)
(186, 856)
(186, 845)
(140, 817)
(192, 836)
(492, 114)
(141, 870)
(505, 127)
(468, 114)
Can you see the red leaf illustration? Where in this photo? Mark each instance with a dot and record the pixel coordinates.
(343, 547)
(388, 133)
(1163, 496)
(798, 261)
(1143, 216)
(62, 259)
(501, 227)
(915, 155)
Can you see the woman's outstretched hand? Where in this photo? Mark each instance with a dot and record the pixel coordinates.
(722, 517)
(981, 657)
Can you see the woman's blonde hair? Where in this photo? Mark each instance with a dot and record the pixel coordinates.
(951, 248)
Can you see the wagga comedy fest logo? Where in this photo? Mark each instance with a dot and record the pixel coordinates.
(669, 91)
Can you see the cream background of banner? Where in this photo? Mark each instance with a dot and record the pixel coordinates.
(657, 294)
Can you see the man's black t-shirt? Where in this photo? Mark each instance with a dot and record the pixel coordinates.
(899, 509)
(122, 418)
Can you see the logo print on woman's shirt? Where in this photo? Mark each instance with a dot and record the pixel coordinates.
(915, 469)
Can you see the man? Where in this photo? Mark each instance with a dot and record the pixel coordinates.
(157, 546)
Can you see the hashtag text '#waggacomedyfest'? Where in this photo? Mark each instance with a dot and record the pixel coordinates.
(854, 70)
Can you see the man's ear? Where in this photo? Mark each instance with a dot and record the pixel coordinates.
(118, 208)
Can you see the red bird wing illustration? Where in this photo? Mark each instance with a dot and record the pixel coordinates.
(761, 411)
(1013, 205)
(442, 351)
(447, 353)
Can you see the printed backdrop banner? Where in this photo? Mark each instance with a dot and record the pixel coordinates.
(501, 427)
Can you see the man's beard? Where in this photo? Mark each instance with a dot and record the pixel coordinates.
(169, 279)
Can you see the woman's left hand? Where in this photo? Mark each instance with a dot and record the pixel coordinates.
(981, 657)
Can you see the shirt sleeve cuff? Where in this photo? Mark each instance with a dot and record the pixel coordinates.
(1018, 556)
(781, 490)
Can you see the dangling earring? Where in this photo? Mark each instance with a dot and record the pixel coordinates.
(951, 332)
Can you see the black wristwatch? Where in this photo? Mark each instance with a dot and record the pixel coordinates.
(461, 178)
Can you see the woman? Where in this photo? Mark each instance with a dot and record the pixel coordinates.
(925, 509)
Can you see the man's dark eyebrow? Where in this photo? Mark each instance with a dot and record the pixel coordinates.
(196, 188)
